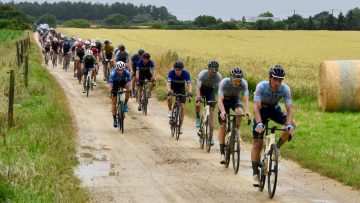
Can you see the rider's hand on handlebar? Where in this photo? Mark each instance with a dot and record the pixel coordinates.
(223, 116)
(260, 127)
(170, 93)
(290, 128)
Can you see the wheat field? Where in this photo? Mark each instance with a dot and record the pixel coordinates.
(299, 52)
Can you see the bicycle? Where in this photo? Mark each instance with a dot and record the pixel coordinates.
(269, 163)
(206, 126)
(107, 69)
(232, 142)
(89, 85)
(144, 100)
(175, 116)
(46, 57)
(120, 108)
(66, 61)
(54, 59)
(78, 69)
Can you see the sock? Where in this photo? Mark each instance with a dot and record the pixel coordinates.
(114, 116)
(222, 148)
(280, 143)
(255, 166)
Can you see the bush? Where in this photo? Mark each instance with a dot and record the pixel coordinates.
(78, 23)
(13, 24)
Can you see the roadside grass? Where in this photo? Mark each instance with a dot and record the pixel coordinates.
(326, 142)
(37, 165)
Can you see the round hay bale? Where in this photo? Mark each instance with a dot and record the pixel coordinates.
(339, 87)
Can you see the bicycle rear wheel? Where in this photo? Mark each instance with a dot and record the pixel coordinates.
(272, 170)
(236, 152)
(209, 133)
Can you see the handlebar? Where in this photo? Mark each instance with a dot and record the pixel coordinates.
(241, 115)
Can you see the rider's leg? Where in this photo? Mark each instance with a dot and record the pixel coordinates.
(169, 102)
(197, 109)
(140, 88)
(255, 155)
(127, 94)
(221, 134)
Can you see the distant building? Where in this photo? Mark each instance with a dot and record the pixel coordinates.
(254, 19)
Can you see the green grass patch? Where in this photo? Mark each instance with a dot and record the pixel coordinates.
(9, 34)
(38, 163)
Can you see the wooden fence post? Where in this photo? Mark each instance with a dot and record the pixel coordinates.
(11, 99)
(21, 51)
(18, 53)
(26, 73)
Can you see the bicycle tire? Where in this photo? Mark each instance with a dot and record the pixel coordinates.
(107, 71)
(121, 116)
(209, 135)
(272, 170)
(236, 152)
(87, 85)
(202, 138)
(178, 122)
(173, 122)
(144, 101)
(79, 72)
(227, 152)
(46, 59)
(262, 176)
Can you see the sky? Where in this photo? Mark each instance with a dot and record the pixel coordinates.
(236, 9)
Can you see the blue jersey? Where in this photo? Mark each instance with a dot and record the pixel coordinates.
(266, 96)
(145, 67)
(115, 77)
(227, 90)
(179, 81)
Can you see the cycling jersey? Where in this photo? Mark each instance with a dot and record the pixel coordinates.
(227, 90)
(80, 50)
(66, 47)
(55, 46)
(145, 67)
(115, 77)
(95, 51)
(89, 63)
(122, 56)
(271, 98)
(204, 79)
(108, 49)
(178, 83)
(134, 60)
(98, 46)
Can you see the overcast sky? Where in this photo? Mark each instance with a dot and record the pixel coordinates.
(226, 9)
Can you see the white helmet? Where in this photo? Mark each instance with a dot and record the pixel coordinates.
(97, 40)
(120, 65)
(55, 39)
(87, 43)
(89, 52)
(93, 44)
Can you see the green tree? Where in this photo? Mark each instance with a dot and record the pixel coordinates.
(310, 23)
(79, 23)
(296, 22)
(266, 14)
(264, 24)
(340, 24)
(114, 20)
(47, 18)
(204, 21)
(331, 22)
(141, 18)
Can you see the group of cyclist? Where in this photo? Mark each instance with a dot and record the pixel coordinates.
(140, 68)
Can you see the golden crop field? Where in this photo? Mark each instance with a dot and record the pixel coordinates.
(300, 52)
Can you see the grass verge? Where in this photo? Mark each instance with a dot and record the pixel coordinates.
(38, 163)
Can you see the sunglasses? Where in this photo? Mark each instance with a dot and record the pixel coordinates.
(237, 79)
(277, 79)
(214, 70)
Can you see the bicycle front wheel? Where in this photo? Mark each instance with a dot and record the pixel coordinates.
(202, 134)
(87, 85)
(272, 170)
(228, 150)
(262, 175)
(145, 101)
(236, 151)
(177, 123)
(209, 133)
(121, 117)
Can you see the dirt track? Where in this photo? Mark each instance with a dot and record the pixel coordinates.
(146, 165)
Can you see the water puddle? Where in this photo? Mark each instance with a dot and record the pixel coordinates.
(89, 170)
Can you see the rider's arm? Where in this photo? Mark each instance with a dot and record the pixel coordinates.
(197, 92)
(246, 96)
(257, 102)
(190, 88)
(168, 86)
(221, 98)
(289, 114)
(153, 71)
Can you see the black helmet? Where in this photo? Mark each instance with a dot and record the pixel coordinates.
(121, 47)
(236, 73)
(141, 52)
(179, 65)
(107, 42)
(146, 55)
(213, 64)
(277, 72)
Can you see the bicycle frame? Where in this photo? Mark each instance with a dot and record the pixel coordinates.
(206, 127)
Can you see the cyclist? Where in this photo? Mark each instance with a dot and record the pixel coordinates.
(66, 51)
(99, 47)
(122, 55)
(47, 46)
(176, 84)
(108, 53)
(119, 77)
(228, 97)
(88, 64)
(55, 45)
(145, 69)
(207, 81)
(266, 106)
(134, 60)
(80, 52)
(96, 54)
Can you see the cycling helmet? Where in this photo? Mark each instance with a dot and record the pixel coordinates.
(80, 40)
(48, 40)
(68, 39)
(120, 65)
(89, 52)
(97, 40)
(277, 72)
(121, 47)
(79, 44)
(178, 65)
(87, 43)
(93, 44)
(236, 73)
(107, 41)
(146, 55)
(52, 29)
(56, 40)
(213, 64)
(141, 52)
